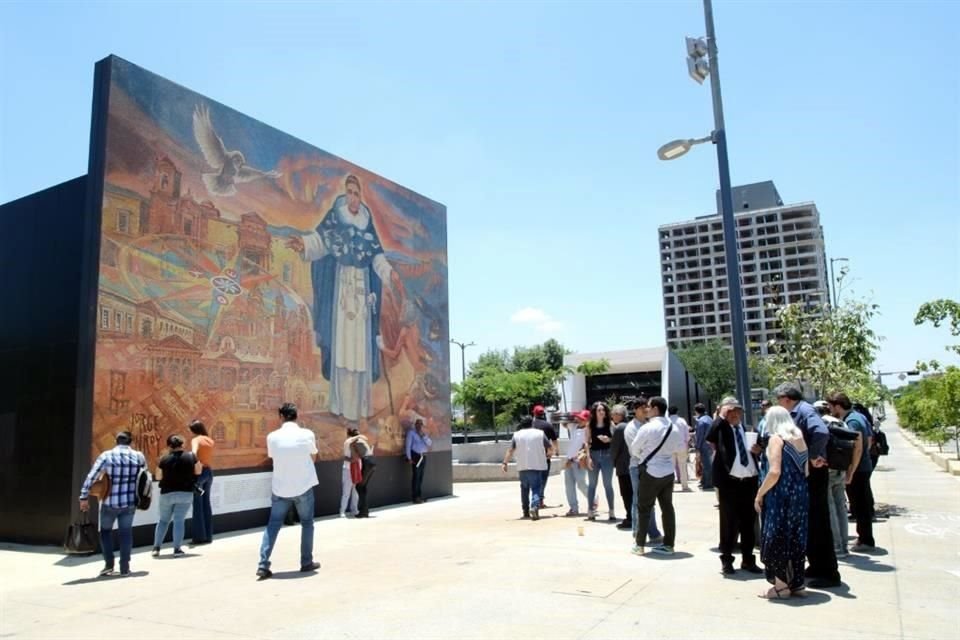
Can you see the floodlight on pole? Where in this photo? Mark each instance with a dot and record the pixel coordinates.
(676, 148)
(697, 66)
(700, 70)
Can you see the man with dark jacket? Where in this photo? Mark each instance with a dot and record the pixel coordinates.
(621, 462)
(735, 475)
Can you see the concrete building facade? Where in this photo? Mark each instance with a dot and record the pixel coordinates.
(782, 261)
(655, 371)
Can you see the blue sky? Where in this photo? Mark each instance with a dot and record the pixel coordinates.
(537, 125)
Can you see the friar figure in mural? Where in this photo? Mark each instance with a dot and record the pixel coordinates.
(349, 271)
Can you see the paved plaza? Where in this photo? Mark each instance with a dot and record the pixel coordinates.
(469, 567)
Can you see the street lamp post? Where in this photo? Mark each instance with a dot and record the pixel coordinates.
(833, 281)
(699, 71)
(463, 372)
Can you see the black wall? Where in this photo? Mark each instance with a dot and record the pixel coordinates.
(40, 257)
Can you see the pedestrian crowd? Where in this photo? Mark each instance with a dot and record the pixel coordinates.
(122, 484)
(783, 486)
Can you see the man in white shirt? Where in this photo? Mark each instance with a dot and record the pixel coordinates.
(735, 476)
(531, 446)
(294, 451)
(654, 446)
(640, 407)
(681, 457)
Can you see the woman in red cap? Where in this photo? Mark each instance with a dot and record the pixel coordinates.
(577, 461)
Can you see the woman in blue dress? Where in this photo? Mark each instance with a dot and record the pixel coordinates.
(784, 502)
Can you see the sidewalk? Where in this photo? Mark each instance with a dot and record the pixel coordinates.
(468, 567)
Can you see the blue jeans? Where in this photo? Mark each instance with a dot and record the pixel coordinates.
(573, 479)
(124, 519)
(544, 476)
(202, 511)
(602, 466)
(531, 481)
(173, 505)
(652, 530)
(278, 510)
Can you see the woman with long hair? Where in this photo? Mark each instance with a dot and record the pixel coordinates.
(601, 435)
(202, 446)
(784, 500)
(177, 472)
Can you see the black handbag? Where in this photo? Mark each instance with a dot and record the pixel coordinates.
(82, 537)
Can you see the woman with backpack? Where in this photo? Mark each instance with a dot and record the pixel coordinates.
(362, 451)
(177, 472)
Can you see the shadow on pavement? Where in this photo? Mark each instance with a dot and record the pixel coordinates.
(676, 555)
(744, 576)
(810, 598)
(843, 591)
(865, 563)
(290, 575)
(79, 581)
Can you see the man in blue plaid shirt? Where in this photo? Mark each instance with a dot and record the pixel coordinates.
(122, 464)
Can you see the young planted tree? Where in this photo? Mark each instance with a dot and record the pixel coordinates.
(830, 348)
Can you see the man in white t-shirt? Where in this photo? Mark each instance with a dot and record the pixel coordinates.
(531, 447)
(294, 451)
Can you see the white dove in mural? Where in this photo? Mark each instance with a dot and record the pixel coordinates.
(230, 166)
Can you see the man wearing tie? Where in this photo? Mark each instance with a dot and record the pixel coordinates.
(735, 476)
(417, 445)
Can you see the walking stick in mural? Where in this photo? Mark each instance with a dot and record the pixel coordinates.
(389, 428)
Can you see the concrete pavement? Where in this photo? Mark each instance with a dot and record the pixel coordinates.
(468, 567)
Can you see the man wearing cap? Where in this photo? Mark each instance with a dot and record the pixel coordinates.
(530, 447)
(735, 476)
(822, 559)
(122, 464)
(540, 422)
(575, 476)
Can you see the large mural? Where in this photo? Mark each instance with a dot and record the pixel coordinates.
(241, 268)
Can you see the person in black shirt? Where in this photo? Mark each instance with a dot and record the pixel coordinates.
(601, 435)
(177, 472)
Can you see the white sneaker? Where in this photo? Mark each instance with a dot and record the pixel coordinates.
(343, 515)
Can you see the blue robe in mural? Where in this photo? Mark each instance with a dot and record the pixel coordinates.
(348, 269)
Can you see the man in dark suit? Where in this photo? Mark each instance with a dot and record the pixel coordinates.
(735, 476)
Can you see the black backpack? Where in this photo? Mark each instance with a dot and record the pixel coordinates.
(880, 442)
(144, 489)
(840, 447)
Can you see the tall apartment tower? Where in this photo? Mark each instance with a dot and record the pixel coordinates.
(782, 260)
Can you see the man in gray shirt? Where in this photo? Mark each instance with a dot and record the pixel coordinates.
(531, 446)
(654, 446)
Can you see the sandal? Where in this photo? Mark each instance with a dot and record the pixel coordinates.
(775, 594)
(800, 592)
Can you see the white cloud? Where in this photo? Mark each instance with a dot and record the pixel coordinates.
(536, 318)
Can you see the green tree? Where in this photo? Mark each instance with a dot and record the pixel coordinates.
(502, 387)
(593, 367)
(938, 311)
(830, 348)
(711, 363)
(931, 406)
